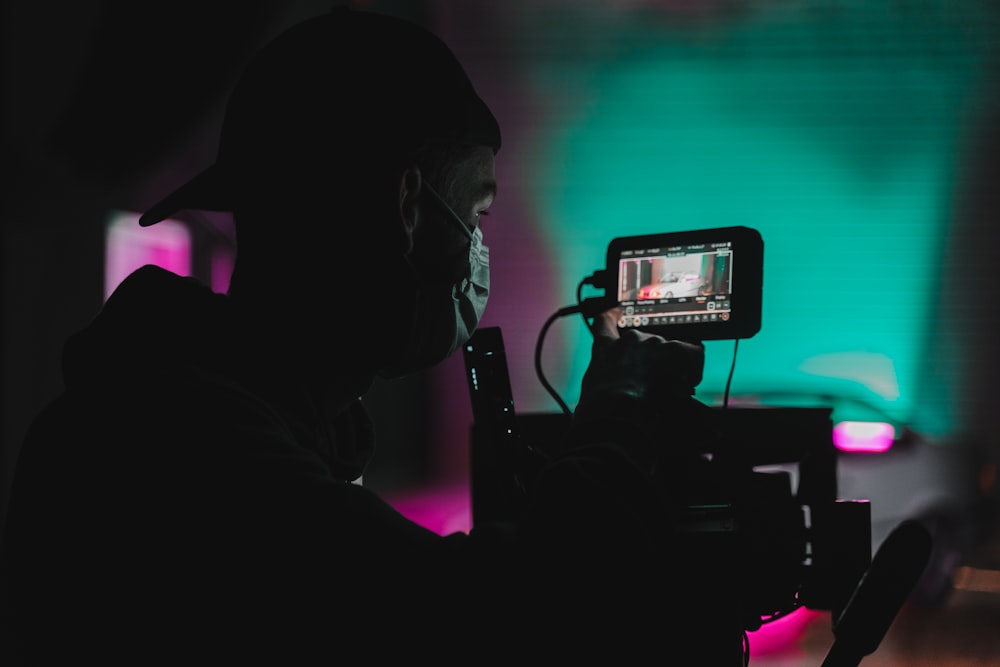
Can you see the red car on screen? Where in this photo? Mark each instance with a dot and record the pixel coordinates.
(673, 285)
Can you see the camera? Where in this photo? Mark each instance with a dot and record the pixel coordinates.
(691, 285)
(759, 528)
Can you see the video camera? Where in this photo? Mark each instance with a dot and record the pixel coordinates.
(760, 527)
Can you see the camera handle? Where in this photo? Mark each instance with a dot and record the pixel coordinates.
(885, 586)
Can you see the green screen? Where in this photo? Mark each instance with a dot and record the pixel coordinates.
(834, 129)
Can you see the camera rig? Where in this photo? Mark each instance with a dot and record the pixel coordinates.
(759, 527)
(761, 531)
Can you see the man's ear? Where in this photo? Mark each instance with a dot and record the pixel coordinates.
(410, 184)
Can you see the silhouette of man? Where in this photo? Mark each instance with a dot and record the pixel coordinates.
(188, 498)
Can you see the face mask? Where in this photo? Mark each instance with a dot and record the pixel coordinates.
(447, 315)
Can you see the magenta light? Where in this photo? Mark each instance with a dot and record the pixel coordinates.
(785, 637)
(129, 246)
(444, 509)
(863, 436)
(222, 269)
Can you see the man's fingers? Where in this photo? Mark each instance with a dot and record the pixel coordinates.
(606, 324)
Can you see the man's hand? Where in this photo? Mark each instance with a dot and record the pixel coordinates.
(637, 388)
(639, 365)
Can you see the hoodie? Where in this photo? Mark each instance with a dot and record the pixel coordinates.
(185, 495)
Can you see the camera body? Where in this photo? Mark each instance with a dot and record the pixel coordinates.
(759, 527)
(693, 285)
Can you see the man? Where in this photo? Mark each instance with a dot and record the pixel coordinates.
(189, 496)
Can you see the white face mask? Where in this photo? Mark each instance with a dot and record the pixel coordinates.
(472, 293)
(447, 315)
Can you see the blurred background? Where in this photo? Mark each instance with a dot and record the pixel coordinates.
(861, 138)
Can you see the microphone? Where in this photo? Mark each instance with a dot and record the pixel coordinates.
(881, 592)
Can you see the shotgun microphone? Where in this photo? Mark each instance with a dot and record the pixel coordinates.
(881, 592)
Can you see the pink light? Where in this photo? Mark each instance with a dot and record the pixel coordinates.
(222, 269)
(863, 436)
(786, 636)
(442, 509)
(129, 246)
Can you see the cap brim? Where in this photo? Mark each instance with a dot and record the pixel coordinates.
(205, 192)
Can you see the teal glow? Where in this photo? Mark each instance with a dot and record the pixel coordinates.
(836, 135)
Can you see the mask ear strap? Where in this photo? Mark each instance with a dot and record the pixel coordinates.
(452, 215)
(410, 184)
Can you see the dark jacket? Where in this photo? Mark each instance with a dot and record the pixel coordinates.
(183, 499)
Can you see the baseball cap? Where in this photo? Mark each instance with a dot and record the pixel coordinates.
(338, 84)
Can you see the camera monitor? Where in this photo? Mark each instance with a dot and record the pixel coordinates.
(692, 285)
